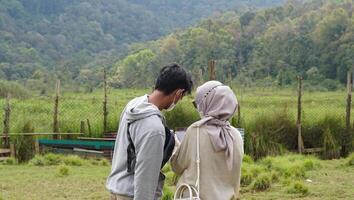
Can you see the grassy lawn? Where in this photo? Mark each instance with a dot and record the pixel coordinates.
(333, 179)
(33, 182)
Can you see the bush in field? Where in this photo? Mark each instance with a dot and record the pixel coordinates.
(308, 164)
(330, 146)
(262, 182)
(24, 144)
(298, 188)
(24, 148)
(255, 170)
(314, 133)
(167, 194)
(63, 170)
(183, 115)
(350, 161)
(275, 176)
(247, 159)
(246, 178)
(169, 178)
(73, 160)
(70, 160)
(94, 162)
(52, 159)
(166, 168)
(10, 161)
(270, 134)
(16, 90)
(294, 171)
(98, 162)
(104, 162)
(38, 160)
(267, 162)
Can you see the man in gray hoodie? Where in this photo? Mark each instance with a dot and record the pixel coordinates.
(140, 148)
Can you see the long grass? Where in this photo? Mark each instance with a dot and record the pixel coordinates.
(267, 114)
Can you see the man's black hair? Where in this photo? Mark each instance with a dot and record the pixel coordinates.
(172, 77)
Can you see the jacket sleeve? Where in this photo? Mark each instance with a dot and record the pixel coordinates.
(181, 159)
(147, 168)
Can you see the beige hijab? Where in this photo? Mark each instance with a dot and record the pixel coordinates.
(216, 104)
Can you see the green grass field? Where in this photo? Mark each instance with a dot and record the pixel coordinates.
(74, 108)
(332, 179)
(267, 114)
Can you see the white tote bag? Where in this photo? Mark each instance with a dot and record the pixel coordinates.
(193, 192)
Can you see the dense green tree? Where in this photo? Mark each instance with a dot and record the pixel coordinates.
(66, 38)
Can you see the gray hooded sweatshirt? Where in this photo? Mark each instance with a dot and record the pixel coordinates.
(148, 135)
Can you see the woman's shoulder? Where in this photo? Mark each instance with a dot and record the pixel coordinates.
(193, 127)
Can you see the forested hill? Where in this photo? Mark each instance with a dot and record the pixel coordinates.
(64, 36)
(312, 38)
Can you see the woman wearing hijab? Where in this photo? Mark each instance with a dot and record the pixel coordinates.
(221, 146)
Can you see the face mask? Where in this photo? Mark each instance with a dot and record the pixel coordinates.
(173, 105)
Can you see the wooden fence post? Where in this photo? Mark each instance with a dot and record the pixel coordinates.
(36, 146)
(56, 109)
(347, 137)
(7, 115)
(88, 127)
(300, 142)
(82, 127)
(105, 111)
(12, 150)
(211, 69)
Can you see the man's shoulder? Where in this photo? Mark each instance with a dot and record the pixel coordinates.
(152, 124)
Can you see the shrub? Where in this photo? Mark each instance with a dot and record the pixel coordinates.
(10, 161)
(246, 178)
(52, 159)
(183, 115)
(255, 170)
(175, 179)
(330, 85)
(314, 132)
(169, 178)
(63, 170)
(16, 90)
(351, 160)
(294, 171)
(167, 194)
(308, 164)
(73, 160)
(275, 176)
(247, 159)
(166, 168)
(104, 162)
(25, 144)
(286, 181)
(298, 188)
(267, 162)
(94, 162)
(330, 146)
(270, 134)
(262, 182)
(38, 160)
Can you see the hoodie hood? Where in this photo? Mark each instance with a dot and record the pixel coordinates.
(140, 108)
